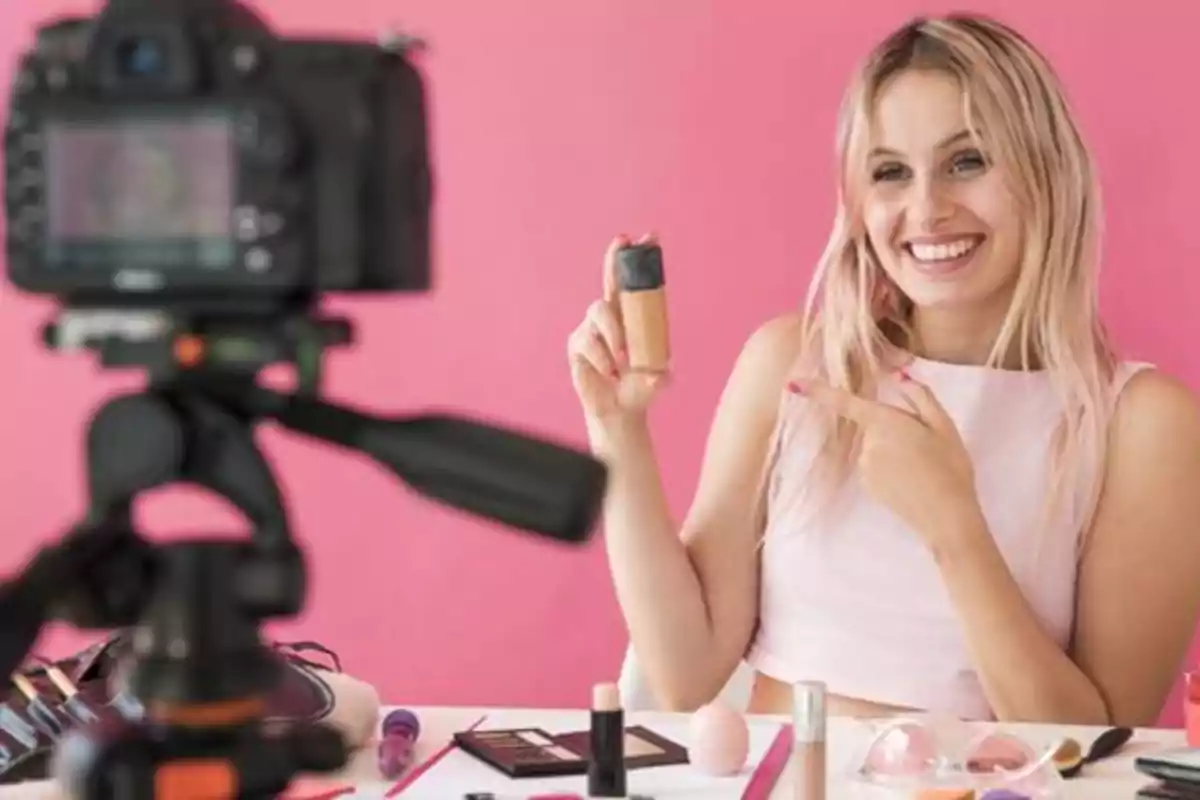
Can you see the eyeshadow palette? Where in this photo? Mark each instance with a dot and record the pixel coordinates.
(532, 752)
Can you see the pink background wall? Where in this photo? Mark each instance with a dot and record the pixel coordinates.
(556, 125)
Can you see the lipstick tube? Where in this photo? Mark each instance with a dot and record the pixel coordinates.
(643, 302)
(606, 766)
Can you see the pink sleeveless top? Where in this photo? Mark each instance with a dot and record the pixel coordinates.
(854, 599)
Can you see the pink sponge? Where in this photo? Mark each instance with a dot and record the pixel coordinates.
(720, 740)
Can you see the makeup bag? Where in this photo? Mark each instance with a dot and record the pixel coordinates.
(46, 699)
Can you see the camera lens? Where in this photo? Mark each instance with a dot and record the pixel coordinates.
(140, 58)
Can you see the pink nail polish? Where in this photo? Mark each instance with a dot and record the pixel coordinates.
(796, 387)
(904, 376)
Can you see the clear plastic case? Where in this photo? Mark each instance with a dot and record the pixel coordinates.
(904, 756)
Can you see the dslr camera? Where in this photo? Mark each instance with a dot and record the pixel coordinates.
(171, 163)
(186, 185)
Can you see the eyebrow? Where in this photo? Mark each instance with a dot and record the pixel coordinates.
(943, 144)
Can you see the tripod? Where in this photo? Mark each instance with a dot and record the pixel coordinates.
(201, 669)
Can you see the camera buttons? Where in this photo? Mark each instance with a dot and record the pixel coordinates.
(26, 81)
(258, 260)
(270, 224)
(250, 224)
(24, 189)
(265, 138)
(26, 225)
(245, 58)
(29, 144)
(58, 78)
(245, 223)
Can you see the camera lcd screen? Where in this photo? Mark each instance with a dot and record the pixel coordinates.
(140, 192)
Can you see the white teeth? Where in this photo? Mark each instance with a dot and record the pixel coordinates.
(942, 252)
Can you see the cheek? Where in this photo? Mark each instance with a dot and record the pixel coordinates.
(880, 218)
(992, 205)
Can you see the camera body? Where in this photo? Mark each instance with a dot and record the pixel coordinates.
(178, 154)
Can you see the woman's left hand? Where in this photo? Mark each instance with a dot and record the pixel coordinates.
(911, 460)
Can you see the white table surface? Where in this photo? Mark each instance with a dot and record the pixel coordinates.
(1108, 780)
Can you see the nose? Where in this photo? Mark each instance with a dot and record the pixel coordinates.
(930, 205)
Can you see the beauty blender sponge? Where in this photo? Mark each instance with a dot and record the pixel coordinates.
(720, 740)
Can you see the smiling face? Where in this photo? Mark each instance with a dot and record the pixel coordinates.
(937, 210)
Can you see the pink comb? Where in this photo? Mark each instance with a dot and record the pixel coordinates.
(767, 773)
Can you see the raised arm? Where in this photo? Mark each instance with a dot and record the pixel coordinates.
(689, 593)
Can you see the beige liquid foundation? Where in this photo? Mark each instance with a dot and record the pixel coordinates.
(643, 301)
(809, 750)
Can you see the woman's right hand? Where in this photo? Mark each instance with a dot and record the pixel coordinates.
(607, 388)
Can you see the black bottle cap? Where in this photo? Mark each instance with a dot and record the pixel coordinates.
(640, 267)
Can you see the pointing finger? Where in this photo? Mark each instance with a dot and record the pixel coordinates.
(922, 398)
(841, 402)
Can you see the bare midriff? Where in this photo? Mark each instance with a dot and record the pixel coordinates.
(771, 696)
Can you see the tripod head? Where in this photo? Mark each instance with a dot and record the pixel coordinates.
(200, 667)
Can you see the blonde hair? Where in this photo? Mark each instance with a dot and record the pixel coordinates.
(857, 322)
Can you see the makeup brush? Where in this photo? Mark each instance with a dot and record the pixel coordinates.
(73, 703)
(46, 720)
(1070, 758)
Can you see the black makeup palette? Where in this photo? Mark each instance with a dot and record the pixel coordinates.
(532, 752)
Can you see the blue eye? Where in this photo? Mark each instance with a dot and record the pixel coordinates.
(889, 172)
(969, 161)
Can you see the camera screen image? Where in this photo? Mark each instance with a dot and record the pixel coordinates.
(140, 192)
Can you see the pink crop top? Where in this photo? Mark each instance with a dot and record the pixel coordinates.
(857, 601)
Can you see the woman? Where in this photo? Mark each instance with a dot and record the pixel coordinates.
(937, 488)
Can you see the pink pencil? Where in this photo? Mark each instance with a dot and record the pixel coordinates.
(406, 781)
(328, 794)
(767, 773)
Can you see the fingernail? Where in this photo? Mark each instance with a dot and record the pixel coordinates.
(796, 387)
(904, 376)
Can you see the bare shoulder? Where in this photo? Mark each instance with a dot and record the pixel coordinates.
(1156, 412)
(779, 335)
(770, 352)
(1153, 458)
